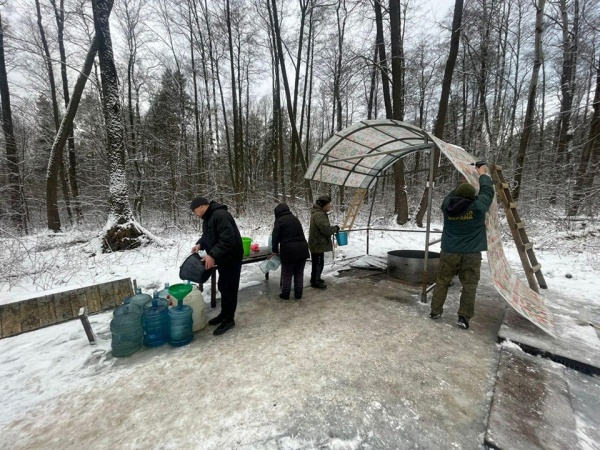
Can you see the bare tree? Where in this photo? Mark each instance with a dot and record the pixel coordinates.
(440, 122)
(528, 122)
(16, 198)
(122, 232)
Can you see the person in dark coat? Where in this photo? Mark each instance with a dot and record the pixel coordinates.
(463, 239)
(289, 243)
(319, 239)
(222, 243)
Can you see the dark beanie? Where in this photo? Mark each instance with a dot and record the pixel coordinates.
(466, 190)
(323, 200)
(198, 201)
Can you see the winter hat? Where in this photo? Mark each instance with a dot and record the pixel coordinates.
(323, 200)
(198, 201)
(465, 190)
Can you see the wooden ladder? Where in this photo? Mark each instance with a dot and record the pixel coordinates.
(517, 228)
(354, 208)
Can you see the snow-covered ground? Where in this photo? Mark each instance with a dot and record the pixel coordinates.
(34, 371)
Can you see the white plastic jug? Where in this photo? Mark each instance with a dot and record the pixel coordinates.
(195, 299)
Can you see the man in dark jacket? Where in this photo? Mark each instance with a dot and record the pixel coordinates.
(463, 239)
(289, 242)
(222, 243)
(319, 239)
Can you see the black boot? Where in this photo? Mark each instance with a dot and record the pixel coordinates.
(224, 327)
(216, 320)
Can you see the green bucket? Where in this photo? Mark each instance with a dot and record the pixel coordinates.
(246, 242)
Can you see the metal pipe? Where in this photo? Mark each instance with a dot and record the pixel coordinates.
(371, 210)
(428, 229)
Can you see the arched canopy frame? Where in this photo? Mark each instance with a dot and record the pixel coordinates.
(356, 156)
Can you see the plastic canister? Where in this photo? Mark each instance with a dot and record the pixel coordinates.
(165, 292)
(155, 322)
(127, 335)
(195, 300)
(127, 307)
(180, 325)
(139, 298)
(246, 242)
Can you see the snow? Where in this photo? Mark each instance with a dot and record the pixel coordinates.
(59, 362)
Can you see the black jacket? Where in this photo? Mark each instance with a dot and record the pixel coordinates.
(288, 236)
(220, 236)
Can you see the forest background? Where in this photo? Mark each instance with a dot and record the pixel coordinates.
(109, 123)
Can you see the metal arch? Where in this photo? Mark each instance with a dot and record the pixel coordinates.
(416, 140)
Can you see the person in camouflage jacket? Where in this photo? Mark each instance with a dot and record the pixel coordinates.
(463, 239)
(319, 239)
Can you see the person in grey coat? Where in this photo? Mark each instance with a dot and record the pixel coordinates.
(319, 239)
(289, 243)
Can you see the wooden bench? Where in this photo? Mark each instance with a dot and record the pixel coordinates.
(262, 254)
(50, 308)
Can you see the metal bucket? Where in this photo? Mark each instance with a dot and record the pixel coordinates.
(407, 265)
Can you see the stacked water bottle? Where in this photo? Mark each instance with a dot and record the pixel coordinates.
(154, 320)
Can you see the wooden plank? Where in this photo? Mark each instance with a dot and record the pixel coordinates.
(30, 316)
(10, 315)
(535, 268)
(62, 306)
(86, 326)
(46, 310)
(77, 299)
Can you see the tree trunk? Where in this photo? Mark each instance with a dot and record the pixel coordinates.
(17, 215)
(586, 172)
(564, 134)
(55, 164)
(286, 84)
(400, 197)
(59, 13)
(234, 95)
(385, 83)
(122, 232)
(528, 122)
(440, 122)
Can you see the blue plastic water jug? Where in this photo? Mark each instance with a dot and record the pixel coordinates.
(155, 321)
(139, 298)
(126, 307)
(127, 334)
(180, 325)
(165, 292)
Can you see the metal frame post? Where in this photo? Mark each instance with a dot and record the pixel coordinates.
(428, 228)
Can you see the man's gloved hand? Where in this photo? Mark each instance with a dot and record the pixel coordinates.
(337, 229)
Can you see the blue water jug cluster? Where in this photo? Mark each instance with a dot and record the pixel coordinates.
(155, 321)
(180, 324)
(139, 298)
(126, 330)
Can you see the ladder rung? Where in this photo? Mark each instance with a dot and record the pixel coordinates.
(498, 168)
(520, 225)
(504, 185)
(512, 205)
(527, 246)
(535, 268)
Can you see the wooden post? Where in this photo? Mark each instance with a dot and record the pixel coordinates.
(86, 326)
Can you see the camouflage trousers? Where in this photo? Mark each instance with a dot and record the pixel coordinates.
(468, 267)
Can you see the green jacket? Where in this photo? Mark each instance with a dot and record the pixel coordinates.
(320, 231)
(464, 219)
